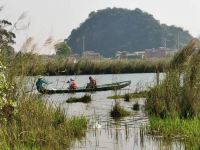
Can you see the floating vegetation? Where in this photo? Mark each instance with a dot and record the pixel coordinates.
(85, 99)
(136, 106)
(129, 96)
(118, 111)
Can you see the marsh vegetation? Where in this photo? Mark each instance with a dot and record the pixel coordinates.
(173, 105)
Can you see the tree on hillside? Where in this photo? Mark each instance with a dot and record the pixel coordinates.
(62, 49)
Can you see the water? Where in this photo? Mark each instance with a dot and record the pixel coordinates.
(125, 134)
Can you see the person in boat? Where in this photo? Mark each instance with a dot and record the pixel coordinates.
(92, 83)
(72, 84)
(40, 84)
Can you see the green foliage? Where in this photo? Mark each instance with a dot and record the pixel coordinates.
(26, 121)
(178, 95)
(7, 103)
(110, 30)
(38, 125)
(62, 49)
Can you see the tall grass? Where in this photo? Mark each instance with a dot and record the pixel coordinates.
(38, 65)
(38, 125)
(174, 104)
(178, 95)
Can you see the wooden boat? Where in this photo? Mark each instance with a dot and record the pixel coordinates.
(104, 87)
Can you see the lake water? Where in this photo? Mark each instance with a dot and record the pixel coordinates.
(125, 134)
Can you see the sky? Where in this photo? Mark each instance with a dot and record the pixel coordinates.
(57, 18)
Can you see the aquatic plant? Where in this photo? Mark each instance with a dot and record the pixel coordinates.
(127, 97)
(118, 111)
(85, 99)
(136, 106)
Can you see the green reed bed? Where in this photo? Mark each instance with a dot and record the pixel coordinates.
(174, 104)
(85, 99)
(36, 125)
(38, 65)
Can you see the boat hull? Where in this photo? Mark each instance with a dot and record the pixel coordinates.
(105, 87)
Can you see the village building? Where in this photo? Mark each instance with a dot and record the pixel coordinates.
(129, 55)
(91, 55)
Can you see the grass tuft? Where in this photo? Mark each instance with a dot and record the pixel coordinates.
(136, 106)
(127, 97)
(85, 99)
(118, 111)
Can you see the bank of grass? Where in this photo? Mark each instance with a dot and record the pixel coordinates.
(85, 99)
(118, 111)
(175, 128)
(38, 125)
(128, 96)
(185, 130)
(38, 65)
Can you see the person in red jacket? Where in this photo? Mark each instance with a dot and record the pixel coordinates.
(92, 84)
(72, 84)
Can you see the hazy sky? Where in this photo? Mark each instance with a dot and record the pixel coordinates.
(58, 17)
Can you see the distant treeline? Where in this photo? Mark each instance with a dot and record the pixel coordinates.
(37, 65)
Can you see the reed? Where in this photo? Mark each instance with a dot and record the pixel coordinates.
(177, 95)
(65, 66)
(174, 104)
